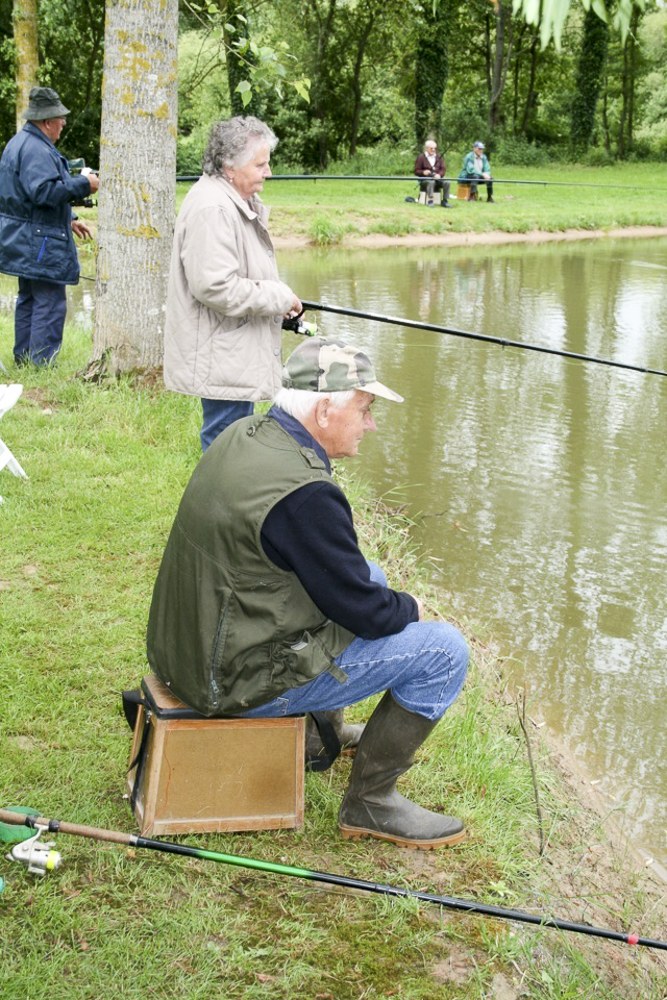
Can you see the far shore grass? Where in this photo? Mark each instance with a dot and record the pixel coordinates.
(81, 541)
(332, 211)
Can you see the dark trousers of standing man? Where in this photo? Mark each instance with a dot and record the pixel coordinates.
(39, 319)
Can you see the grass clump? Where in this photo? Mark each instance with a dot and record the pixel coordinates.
(325, 231)
(82, 541)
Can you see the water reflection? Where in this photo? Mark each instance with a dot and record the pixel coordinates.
(540, 481)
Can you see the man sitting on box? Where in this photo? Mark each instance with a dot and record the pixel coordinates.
(264, 605)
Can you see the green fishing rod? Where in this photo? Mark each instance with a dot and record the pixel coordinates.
(469, 335)
(51, 861)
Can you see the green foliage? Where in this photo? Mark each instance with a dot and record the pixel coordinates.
(431, 68)
(550, 15)
(203, 96)
(589, 80)
(652, 132)
(520, 153)
(64, 30)
(325, 231)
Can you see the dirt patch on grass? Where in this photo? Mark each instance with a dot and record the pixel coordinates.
(495, 237)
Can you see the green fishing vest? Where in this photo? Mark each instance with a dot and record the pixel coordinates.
(229, 630)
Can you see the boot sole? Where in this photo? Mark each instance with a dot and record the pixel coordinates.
(359, 833)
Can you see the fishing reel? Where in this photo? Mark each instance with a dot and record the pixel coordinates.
(38, 857)
(298, 325)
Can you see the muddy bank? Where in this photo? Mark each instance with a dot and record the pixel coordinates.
(496, 237)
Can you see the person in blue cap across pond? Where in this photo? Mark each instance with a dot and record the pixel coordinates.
(476, 167)
(36, 226)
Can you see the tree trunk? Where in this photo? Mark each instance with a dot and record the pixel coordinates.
(356, 85)
(531, 97)
(517, 77)
(590, 71)
(324, 20)
(24, 21)
(137, 183)
(432, 70)
(501, 59)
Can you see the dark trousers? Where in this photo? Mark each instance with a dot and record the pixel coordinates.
(475, 180)
(218, 414)
(39, 319)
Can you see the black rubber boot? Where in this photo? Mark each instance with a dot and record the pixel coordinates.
(371, 806)
(348, 734)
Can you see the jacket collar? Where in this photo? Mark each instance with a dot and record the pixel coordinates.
(33, 130)
(296, 430)
(253, 209)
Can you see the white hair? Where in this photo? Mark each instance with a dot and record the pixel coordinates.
(300, 403)
(232, 143)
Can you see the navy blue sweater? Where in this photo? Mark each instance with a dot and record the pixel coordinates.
(311, 533)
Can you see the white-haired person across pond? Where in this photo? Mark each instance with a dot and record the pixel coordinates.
(225, 301)
(264, 605)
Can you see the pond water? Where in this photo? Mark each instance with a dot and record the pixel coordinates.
(537, 484)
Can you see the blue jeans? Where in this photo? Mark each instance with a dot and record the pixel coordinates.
(39, 319)
(218, 414)
(424, 667)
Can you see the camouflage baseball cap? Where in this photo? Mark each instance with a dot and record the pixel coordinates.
(320, 365)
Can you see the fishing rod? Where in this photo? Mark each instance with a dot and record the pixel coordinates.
(44, 825)
(469, 335)
(191, 178)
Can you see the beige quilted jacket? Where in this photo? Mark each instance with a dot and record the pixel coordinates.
(225, 302)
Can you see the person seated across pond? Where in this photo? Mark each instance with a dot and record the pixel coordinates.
(476, 167)
(430, 165)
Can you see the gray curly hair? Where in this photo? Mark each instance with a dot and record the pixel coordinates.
(233, 142)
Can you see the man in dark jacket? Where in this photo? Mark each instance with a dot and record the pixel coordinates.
(36, 226)
(431, 166)
(264, 605)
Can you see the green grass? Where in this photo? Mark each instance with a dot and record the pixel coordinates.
(620, 195)
(81, 543)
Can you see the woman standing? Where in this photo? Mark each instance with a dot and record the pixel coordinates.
(225, 302)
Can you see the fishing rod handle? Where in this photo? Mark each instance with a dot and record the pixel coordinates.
(56, 826)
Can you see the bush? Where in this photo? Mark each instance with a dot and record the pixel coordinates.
(520, 153)
(598, 157)
(385, 159)
(324, 231)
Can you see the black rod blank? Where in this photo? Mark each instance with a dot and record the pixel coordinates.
(485, 338)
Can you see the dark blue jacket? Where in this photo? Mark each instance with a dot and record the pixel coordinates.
(36, 189)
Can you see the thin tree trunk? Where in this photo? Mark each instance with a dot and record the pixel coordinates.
(324, 24)
(502, 55)
(517, 76)
(24, 21)
(356, 86)
(530, 96)
(137, 183)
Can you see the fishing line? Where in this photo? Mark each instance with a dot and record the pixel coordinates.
(485, 338)
(44, 825)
